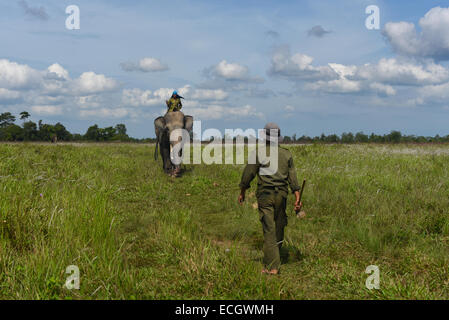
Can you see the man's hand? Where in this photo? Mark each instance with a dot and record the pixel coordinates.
(298, 203)
(241, 196)
(298, 206)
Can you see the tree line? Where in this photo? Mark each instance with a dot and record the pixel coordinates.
(360, 137)
(30, 131)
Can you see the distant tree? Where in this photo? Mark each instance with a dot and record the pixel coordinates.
(46, 131)
(347, 137)
(376, 138)
(305, 139)
(12, 133)
(332, 138)
(361, 137)
(323, 137)
(421, 139)
(107, 133)
(92, 133)
(77, 137)
(118, 132)
(61, 132)
(30, 132)
(24, 115)
(410, 138)
(6, 119)
(120, 129)
(394, 136)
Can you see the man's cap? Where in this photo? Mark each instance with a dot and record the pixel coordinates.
(175, 93)
(267, 131)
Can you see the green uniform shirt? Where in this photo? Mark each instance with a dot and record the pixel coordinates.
(285, 175)
(174, 104)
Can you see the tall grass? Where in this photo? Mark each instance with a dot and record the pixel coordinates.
(135, 233)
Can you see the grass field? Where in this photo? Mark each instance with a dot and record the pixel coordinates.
(135, 233)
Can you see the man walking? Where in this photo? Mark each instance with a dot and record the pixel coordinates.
(272, 191)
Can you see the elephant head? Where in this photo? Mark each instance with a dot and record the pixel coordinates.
(168, 126)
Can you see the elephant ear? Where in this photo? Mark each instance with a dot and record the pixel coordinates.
(159, 125)
(188, 123)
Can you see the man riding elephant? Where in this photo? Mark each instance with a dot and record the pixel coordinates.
(174, 103)
(172, 131)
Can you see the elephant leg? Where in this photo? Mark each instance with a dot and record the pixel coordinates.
(165, 153)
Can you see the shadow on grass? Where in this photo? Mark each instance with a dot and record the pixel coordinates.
(288, 253)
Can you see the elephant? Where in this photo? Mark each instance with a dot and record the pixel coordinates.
(163, 127)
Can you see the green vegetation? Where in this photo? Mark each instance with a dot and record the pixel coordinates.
(30, 131)
(360, 137)
(135, 233)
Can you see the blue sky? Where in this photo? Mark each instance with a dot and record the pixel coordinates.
(310, 66)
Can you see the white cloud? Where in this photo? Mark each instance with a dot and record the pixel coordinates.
(383, 89)
(58, 71)
(18, 76)
(148, 64)
(298, 67)
(137, 97)
(379, 78)
(231, 72)
(89, 102)
(341, 85)
(41, 99)
(47, 110)
(209, 94)
(217, 112)
(111, 113)
(335, 86)
(342, 70)
(52, 92)
(90, 82)
(289, 108)
(152, 64)
(435, 92)
(6, 94)
(56, 81)
(402, 72)
(432, 42)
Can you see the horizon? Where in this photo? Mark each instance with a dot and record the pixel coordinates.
(207, 136)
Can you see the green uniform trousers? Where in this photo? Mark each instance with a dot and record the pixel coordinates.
(272, 204)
